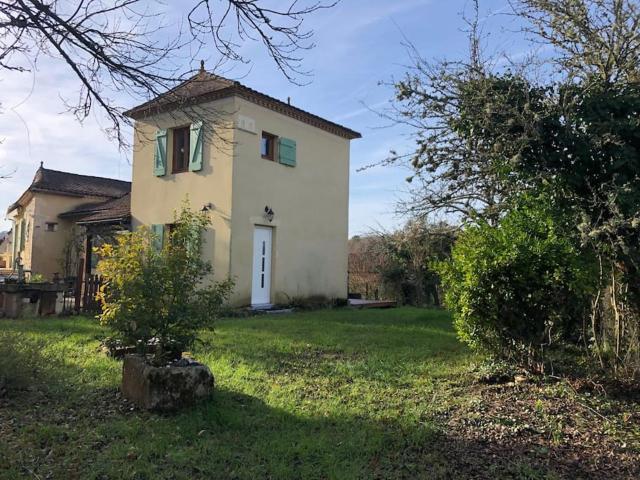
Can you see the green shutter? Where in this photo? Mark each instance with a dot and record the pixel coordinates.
(195, 147)
(160, 158)
(22, 234)
(158, 236)
(287, 152)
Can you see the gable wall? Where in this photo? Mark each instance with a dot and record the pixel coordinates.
(44, 250)
(310, 202)
(155, 199)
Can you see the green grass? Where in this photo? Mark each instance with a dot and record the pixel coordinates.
(332, 394)
(326, 394)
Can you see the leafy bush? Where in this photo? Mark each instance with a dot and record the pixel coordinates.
(160, 295)
(492, 371)
(36, 278)
(516, 288)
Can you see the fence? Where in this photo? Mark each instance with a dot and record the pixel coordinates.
(90, 287)
(80, 295)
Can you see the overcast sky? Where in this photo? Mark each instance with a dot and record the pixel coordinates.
(359, 44)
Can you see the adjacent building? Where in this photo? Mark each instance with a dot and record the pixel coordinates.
(52, 217)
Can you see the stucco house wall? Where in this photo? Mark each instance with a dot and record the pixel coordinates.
(6, 250)
(155, 199)
(310, 202)
(43, 249)
(23, 249)
(48, 247)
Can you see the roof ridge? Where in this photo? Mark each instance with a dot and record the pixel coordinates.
(85, 176)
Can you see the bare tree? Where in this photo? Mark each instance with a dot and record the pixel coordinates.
(399, 264)
(598, 38)
(126, 46)
(460, 164)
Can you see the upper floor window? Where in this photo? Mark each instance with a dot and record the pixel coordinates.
(268, 146)
(180, 150)
(51, 226)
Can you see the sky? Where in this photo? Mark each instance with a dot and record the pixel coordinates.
(359, 45)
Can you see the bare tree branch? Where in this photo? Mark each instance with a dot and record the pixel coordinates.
(279, 30)
(127, 47)
(590, 37)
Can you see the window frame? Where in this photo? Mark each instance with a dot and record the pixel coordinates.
(174, 149)
(271, 146)
(51, 226)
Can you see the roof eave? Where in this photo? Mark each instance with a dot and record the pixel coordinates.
(20, 202)
(120, 219)
(72, 214)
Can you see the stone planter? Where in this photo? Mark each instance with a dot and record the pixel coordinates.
(165, 388)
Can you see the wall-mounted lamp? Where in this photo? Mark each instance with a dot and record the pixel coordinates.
(207, 207)
(268, 213)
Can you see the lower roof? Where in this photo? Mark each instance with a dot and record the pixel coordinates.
(109, 211)
(71, 184)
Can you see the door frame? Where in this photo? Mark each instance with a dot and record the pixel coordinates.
(271, 229)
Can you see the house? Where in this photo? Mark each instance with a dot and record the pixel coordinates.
(54, 217)
(274, 178)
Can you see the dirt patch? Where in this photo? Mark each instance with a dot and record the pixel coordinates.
(532, 430)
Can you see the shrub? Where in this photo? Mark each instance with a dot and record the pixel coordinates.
(36, 278)
(518, 287)
(160, 294)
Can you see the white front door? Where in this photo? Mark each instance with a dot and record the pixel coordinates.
(261, 284)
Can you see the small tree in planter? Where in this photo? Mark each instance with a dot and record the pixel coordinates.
(156, 294)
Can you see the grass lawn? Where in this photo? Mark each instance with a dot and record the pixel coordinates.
(320, 395)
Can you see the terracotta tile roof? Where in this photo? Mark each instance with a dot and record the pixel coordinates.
(205, 87)
(72, 184)
(116, 209)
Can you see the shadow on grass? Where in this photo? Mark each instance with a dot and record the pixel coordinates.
(235, 435)
(240, 436)
(71, 423)
(60, 366)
